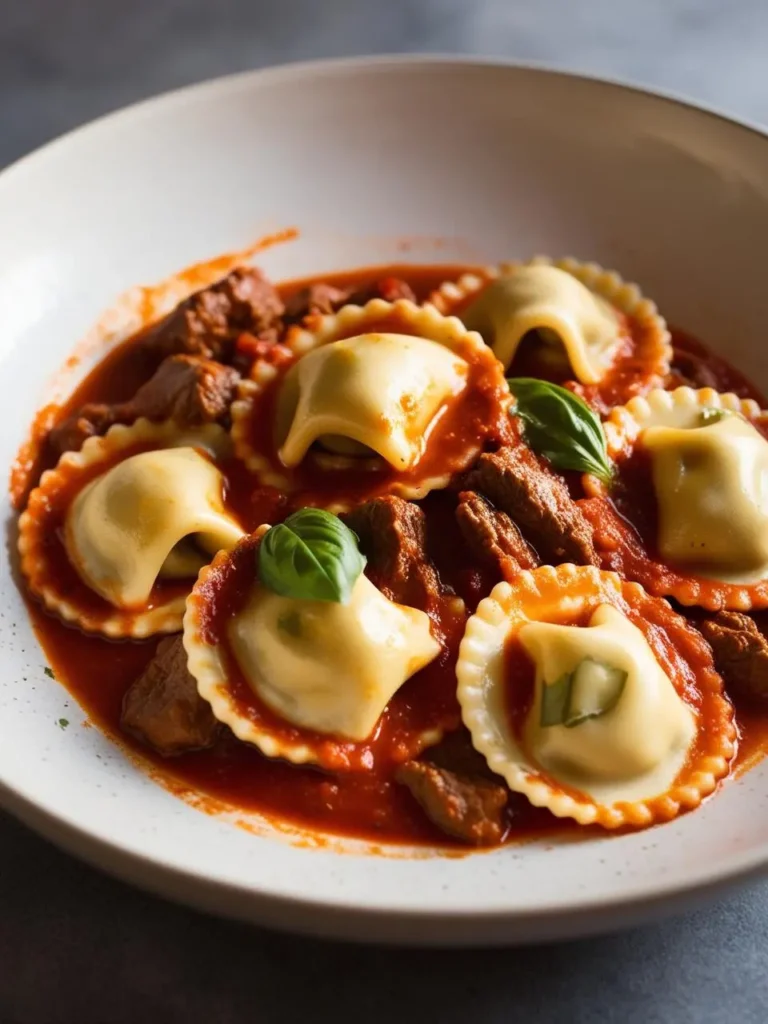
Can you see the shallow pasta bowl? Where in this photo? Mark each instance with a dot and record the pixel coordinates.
(430, 160)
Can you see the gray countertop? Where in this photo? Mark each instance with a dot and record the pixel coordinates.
(79, 948)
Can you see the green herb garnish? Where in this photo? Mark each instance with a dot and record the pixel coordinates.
(63, 723)
(312, 556)
(709, 416)
(560, 426)
(554, 700)
(591, 690)
(49, 672)
(595, 690)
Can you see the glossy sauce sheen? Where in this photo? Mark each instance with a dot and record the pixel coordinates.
(369, 805)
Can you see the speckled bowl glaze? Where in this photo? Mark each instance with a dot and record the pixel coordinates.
(538, 162)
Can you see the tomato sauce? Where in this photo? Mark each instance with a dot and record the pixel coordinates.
(369, 804)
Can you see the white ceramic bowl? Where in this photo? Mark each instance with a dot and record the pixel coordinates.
(414, 159)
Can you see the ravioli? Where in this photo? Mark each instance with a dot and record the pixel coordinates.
(123, 528)
(608, 735)
(565, 314)
(711, 484)
(634, 749)
(707, 460)
(308, 680)
(374, 393)
(385, 398)
(100, 529)
(329, 667)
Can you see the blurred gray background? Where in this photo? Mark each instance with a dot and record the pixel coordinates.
(78, 948)
(63, 62)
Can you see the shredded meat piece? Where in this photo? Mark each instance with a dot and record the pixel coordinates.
(190, 385)
(458, 791)
(741, 653)
(688, 368)
(471, 808)
(163, 708)
(317, 298)
(392, 534)
(537, 500)
(188, 389)
(209, 322)
(492, 536)
(71, 434)
(327, 298)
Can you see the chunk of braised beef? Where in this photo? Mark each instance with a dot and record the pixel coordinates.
(458, 791)
(209, 322)
(163, 709)
(392, 534)
(328, 298)
(255, 304)
(189, 389)
(741, 653)
(72, 433)
(537, 500)
(492, 536)
(316, 298)
(470, 808)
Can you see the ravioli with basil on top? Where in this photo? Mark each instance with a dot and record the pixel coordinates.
(314, 640)
(568, 689)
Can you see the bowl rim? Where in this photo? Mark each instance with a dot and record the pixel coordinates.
(364, 62)
(160, 874)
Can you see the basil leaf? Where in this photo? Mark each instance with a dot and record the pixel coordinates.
(555, 698)
(312, 556)
(595, 690)
(560, 426)
(708, 416)
(591, 690)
